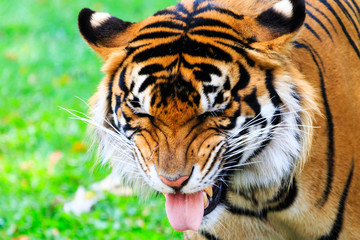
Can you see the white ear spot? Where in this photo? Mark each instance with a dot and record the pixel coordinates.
(99, 18)
(284, 7)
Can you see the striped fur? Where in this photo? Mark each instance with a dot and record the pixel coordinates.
(250, 97)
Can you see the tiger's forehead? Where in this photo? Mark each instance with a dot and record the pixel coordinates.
(184, 59)
(170, 86)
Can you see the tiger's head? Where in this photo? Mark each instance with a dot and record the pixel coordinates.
(199, 98)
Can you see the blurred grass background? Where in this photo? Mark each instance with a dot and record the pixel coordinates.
(44, 63)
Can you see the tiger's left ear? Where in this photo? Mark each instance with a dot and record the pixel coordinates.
(104, 33)
(281, 22)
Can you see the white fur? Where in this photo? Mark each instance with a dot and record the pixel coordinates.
(99, 18)
(279, 157)
(208, 100)
(213, 218)
(284, 7)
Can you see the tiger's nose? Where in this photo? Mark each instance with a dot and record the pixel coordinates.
(174, 183)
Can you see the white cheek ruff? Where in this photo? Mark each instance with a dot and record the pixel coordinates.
(286, 149)
(114, 148)
(276, 161)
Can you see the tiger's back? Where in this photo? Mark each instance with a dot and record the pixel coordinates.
(208, 92)
(327, 52)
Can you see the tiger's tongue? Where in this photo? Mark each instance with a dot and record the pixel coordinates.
(185, 211)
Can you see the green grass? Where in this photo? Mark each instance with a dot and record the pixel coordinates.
(46, 64)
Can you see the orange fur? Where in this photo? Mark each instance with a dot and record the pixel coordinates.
(324, 71)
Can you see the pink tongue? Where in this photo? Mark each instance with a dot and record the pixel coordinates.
(185, 211)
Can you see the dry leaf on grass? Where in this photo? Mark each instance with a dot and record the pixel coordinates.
(53, 160)
(21, 237)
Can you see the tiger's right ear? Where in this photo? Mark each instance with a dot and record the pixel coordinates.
(103, 32)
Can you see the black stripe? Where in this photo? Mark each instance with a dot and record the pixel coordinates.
(357, 7)
(151, 69)
(233, 120)
(282, 191)
(214, 34)
(324, 15)
(230, 13)
(180, 8)
(134, 104)
(118, 103)
(262, 214)
(209, 89)
(321, 63)
(275, 98)
(197, 3)
(319, 22)
(202, 76)
(289, 200)
(209, 68)
(208, 235)
(205, 50)
(208, 22)
(337, 225)
(155, 35)
(110, 92)
(147, 82)
(347, 14)
(353, 10)
(219, 99)
(141, 163)
(253, 102)
(276, 118)
(164, 24)
(122, 83)
(241, 51)
(207, 160)
(330, 126)
(307, 26)
(351, 41)
(219, 10)
(227, 84)
(172, 65)
(241, 83)
(212, 163)
(166, 12)
(167, 49)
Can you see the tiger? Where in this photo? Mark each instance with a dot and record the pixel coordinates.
(243, 113)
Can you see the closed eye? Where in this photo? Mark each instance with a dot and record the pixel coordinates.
(207, 114)
(137, 109)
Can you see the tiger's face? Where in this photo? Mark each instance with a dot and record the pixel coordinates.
(197, 99)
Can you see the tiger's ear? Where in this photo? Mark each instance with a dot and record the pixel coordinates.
(281, 22)
(103, 32)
